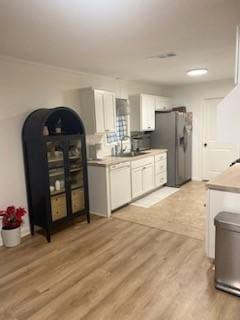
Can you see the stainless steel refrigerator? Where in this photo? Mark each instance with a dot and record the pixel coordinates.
(174, 132)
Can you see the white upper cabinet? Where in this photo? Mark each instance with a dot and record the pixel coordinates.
(147, 112)
(162, 103)
(98, 110)
(142, 110)
(109, 112)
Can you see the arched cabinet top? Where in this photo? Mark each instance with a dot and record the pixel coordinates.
(52, 122)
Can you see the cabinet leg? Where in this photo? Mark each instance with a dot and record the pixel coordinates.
(32, 228)
(48, 235)
(88, 217)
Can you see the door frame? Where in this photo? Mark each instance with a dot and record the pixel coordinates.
(203, 131)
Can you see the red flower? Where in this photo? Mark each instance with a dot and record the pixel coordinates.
(12, 217)
(10, 210)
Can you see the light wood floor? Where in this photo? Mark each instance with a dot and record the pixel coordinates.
(183, 212)
(111, 269)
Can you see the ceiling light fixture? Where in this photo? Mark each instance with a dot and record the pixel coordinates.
(197, 72)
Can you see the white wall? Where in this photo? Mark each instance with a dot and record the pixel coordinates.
(192, 96)
(26, 86)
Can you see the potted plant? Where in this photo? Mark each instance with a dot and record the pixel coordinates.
(12, 219)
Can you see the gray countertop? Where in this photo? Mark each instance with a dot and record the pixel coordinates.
(109, 160)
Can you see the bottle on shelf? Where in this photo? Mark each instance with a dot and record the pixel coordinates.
(57, 185)
(58, 128)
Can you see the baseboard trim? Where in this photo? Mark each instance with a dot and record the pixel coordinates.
(196, 179)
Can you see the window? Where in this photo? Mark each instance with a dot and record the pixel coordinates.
(121, 129)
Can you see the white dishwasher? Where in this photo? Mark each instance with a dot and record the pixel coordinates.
(120, 184)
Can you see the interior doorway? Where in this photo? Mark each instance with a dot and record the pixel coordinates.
(216, 156)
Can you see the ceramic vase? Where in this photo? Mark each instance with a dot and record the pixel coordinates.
(11, 237)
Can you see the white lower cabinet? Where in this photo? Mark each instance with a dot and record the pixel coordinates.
(218, 201)
(142, 176)
(160, 170)
(160, 179)
(148, 177)
(137, 185)
(111, 187)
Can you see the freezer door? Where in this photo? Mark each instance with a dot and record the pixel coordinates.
(180, 148)
(164, 136)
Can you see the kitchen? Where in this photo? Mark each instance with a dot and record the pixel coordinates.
(134, 169)
(110, 118)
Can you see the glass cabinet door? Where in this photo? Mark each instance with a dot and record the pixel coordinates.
(76, 175)
(56, 174)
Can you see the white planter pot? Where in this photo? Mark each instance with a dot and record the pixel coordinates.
(11, 238)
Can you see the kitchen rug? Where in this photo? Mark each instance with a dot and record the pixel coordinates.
(154, 197)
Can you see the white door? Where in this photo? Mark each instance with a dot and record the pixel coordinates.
(148, 177)
(137, 183)
(147, 113)
(109, 112)
(99, 112)
(216, 157)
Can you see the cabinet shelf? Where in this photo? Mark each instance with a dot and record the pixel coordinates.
(74, 157)
(76, 169)
(52, 160)
(77, 186)
(57, 192)
(55, 172)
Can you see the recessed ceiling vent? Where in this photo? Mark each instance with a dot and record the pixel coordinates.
(165, 55)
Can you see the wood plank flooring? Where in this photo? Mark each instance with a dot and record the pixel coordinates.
(111, 269)
(183, 212)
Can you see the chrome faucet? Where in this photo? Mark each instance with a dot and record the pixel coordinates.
(122, 139)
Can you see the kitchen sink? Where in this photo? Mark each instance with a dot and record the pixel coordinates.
(132, 154)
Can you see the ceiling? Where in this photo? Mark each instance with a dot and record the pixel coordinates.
(114, 37)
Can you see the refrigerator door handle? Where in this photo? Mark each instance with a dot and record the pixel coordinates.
(185, 139)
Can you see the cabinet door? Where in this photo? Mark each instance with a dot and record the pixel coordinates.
(99, 111)
(160, 166)
(162, 103)
(137, 184)
(148, 177)
(57, 179)
(147, 113)
(76, 175)
(109, 112)
(160, 178)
